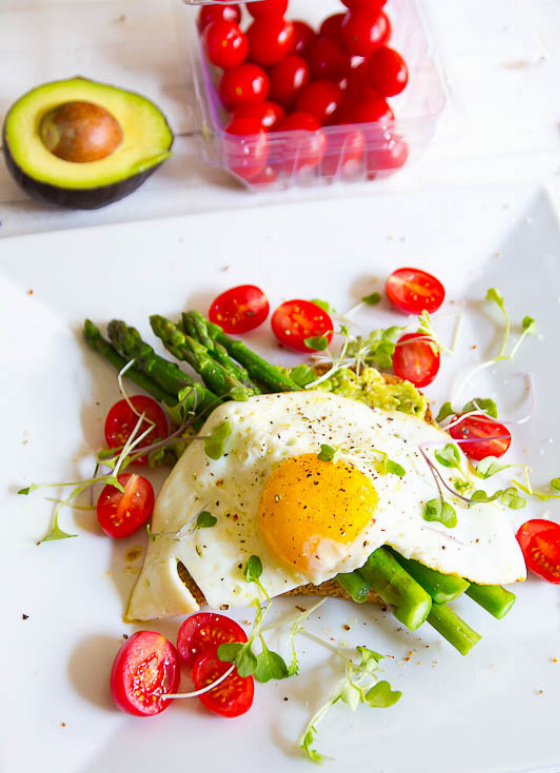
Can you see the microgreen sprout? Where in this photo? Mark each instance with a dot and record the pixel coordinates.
(316, 343)
(427, 329)
(442, 511)
(215, 442)
(541, 495)
(206, 520)
(329, 454)
(373, 299)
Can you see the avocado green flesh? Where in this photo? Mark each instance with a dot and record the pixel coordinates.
(371, 388)
(147, 138)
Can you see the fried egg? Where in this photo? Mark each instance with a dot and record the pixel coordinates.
(308, 519)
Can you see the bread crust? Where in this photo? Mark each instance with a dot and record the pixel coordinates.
(330, 588)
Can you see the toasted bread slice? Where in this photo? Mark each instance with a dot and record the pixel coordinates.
(329, 588)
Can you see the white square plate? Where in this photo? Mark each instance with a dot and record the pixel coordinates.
(493, 711)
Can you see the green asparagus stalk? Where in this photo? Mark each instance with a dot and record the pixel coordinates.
(95, 341)
(354, 584)
(410, 602)
(197, 331)
(168, 375)
(260, 371)
(441, 587)
(493, 598)
(453, 628)
(182, 346)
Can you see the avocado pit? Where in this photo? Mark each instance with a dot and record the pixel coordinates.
(80, 132)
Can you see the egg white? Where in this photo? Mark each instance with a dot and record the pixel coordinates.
(267, 430)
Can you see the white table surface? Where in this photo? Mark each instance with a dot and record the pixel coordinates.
(502, 125)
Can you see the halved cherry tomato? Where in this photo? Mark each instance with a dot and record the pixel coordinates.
(413, 291)
(121, 421)
(239, 309)
(121, 514)
(481, 436)
(205, 631)
(231, 698)
(146, 668)
(296, 320)
(416, 359)
(539, 540)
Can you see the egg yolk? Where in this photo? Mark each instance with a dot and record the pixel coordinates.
(311, 511)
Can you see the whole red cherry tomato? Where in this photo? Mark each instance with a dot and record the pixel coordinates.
(306, 147)
(387, 70)
(303, 36)
(481, 436)
(268, 113)
(331, 25)
(121, 514)
(226, 45)
(233, 697)
(362, 31)
(370, 5)
(247, 149)
(287, 78)
(268, 175)
(344, 154)
(368, 108)
(243, 84)
(206, 631)
(320, 98)
(413, 291)
(416, 359)
(146, 668)
(264, 8)
(327, 59)
(358, 81)
(239, 309)
(271, 38)
(386, 156)
(210, 13)
(121, 420)
(539, 540)
(295, 321)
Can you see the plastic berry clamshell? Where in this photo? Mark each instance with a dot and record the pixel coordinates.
(348, 150)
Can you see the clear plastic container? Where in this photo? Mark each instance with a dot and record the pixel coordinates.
(353, 152)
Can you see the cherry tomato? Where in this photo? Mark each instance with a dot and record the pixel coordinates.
(358, 81)
(484, 437)
(268, 113)
(239, 309)
(327, 59)
(387, 156)
(344, 154)
(232, 697)
(368, 108)
(320, 98)
(370, 5)
(271, 38)
(121, 421)
(226, 45)
(416, 359)
(539, 540)
(331, 25)
(387, 70)
(265, 8)
(303, 36)
(287, 78)
(210, 13)
(145, 668)
(121, 514)
(306, 147)
(206, 631)
(268, 175)
(413, 291)
(362, 31)
(296, 320)
(247, 150)
(243, 84)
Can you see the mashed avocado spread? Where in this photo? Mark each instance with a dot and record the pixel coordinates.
(371, 388)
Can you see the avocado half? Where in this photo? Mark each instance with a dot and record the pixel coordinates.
(143, 142)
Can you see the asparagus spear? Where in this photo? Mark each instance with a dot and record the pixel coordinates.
(410, 602)
(261, 371)
(453, 628)
(493, 598)
(168, 375)
(196, 330)
(441, 587)
(354, 584)
(95, 341)
(182, 346)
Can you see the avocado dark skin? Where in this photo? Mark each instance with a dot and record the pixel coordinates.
(92, 146)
